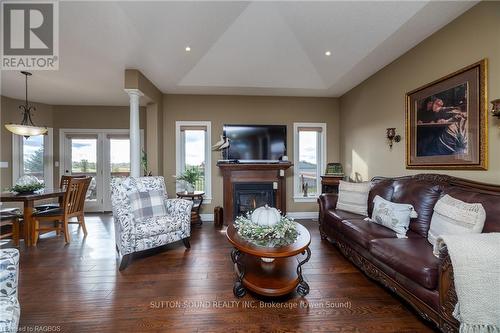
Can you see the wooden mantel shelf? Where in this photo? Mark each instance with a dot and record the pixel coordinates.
(252, 173)
(255, 166)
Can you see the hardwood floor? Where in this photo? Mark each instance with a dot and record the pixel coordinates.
(78, 288)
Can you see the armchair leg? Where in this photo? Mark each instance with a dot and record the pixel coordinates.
(186, 242)
(125, 260)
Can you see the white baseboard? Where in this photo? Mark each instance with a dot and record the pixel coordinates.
(207, 217)
(303, 215)
(294, 215)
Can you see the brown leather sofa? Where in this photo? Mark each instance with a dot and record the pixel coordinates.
(407, 266)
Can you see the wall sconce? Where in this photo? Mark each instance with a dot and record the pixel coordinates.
(392, 136)
(495, 110)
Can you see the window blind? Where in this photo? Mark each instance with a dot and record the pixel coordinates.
(310, 129)
(194, 128)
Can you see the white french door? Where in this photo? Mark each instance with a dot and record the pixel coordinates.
(100, 154)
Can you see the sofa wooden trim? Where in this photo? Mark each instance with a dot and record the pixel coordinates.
(443, 319)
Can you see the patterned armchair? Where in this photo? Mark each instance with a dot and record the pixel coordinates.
(10, 310)
(133, 235)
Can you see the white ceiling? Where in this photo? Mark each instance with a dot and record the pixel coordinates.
(250, 48)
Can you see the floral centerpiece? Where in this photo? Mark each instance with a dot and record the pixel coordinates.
(265, 226)
(27, 184)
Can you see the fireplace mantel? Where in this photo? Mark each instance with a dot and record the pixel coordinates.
(252, 173)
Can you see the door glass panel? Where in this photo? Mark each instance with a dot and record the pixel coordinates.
(119, 150)
(33, 156)
(308, 162)
(84, 162)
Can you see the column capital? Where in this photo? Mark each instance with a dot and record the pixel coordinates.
(134, 92)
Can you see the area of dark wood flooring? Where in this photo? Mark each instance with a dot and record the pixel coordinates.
(78, 288)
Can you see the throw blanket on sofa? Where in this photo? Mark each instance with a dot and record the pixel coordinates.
(476, 268)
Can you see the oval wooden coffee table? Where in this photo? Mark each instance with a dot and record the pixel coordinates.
(277, 278)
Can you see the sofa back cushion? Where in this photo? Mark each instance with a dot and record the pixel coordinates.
(422, 196)
(383, 188)
(353, 197)
(490, 202)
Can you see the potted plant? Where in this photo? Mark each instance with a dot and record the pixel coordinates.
(145, 164)
(190, 176)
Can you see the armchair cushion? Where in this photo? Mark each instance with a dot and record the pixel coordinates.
(147, 204)
(156, 225)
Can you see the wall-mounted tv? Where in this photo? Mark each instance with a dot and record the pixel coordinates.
(249, 143)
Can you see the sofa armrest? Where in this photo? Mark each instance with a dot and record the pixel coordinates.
(9, 272)
(447, 294)
(180, 209)
(328, 201)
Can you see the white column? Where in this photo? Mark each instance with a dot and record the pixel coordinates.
(135, 132)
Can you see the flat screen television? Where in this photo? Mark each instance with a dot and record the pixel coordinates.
(250, 143)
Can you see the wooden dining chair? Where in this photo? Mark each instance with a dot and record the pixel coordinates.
(62, 184)
(9, 227)
(73, 206)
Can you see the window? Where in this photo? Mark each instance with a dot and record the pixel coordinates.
(309, 160)
(193, 152)
(32, 156)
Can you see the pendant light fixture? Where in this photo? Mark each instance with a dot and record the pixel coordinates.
(26, 128)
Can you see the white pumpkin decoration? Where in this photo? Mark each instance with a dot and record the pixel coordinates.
(266, 216)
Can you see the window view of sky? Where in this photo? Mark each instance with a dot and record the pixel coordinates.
(195, 147)
(307, 146)
(33, 156)
(32, 144)
(119, 150)
(84, 149)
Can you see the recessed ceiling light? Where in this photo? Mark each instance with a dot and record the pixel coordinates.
(328, 53)
(188, 49)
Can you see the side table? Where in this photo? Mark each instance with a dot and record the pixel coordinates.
(197, 198)
(330, 184)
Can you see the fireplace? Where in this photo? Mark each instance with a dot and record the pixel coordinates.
(248, 196)
(271, 176)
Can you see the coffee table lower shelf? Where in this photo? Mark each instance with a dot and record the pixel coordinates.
(275, 278)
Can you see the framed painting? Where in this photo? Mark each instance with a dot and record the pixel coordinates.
(446, 122)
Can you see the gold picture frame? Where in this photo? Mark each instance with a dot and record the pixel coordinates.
(447, 121)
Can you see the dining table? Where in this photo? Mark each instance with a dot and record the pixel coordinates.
(28, 201)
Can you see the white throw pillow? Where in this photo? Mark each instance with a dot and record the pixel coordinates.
(395, 216)
(353, 197)
(452, 216)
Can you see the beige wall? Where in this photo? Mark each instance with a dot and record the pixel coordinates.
(57, 117)
(222, 110)
(378, 102)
